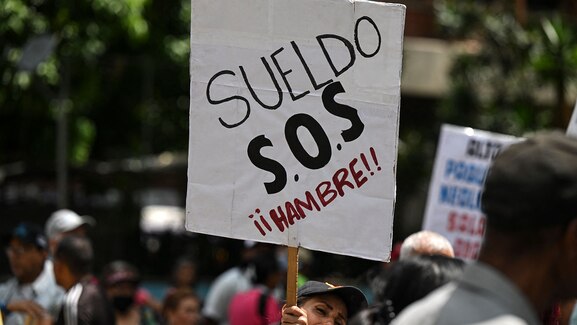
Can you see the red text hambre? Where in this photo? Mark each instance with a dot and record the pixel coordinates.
(350, 177)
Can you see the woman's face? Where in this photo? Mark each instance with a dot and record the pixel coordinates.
(185, 275)
(325, 309)
(187, 313)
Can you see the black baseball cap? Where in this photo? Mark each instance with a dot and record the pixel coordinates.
(28, 233)
(120, 272)
(353, 297)
(532, 184)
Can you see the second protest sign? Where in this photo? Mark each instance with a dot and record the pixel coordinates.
(464, 156)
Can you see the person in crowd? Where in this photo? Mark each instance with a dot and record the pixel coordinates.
(181, 306)
(65, 222)
(258, 306)
(232, 281)
(374, 275)
(323, 303)
(184, 274)
(121, 280)
(426, 242)
(84, 301)
(407, 281)
(32, 292)
(528, 260)
(421, 243)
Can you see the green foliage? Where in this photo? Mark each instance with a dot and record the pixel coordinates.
(499, 80)
(507, 77)
(120, 65)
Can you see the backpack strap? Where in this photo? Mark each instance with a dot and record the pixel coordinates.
(262, 305)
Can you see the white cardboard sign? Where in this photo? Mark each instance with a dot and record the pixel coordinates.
(294, 118)
(453, 207)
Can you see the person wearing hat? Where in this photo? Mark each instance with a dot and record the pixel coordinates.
(528, 260)
(131, 305)
(32, 293)
(65, 222)
(323, 303)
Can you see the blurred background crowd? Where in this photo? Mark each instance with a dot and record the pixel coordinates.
(94, 118)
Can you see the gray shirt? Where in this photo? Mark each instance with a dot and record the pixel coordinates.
(43, 291)
(481, 296)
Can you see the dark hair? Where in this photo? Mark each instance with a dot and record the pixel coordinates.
(409, 280)
(264, 265)
(377, 314)
(174, 297)
(413, 279)
(76, 253)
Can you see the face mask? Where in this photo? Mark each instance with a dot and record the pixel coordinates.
(122, 303)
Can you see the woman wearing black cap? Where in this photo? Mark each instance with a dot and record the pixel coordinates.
(121, 281)
(324, 303)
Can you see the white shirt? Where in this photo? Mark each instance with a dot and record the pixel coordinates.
(43, 291)
(223, 289)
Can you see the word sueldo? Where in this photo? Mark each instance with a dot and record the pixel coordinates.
(301, 120)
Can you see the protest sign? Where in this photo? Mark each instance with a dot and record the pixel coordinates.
(453, 206)
(294, 117)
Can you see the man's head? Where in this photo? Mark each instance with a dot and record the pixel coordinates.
(530, 200)
(267, 270)
(26, 248)
(532, 184)
(65, 222)
(72, 260)
(426, 243)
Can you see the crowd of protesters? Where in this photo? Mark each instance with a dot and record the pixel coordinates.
(526, 272)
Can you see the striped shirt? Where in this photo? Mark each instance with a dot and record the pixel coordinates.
(85, 304)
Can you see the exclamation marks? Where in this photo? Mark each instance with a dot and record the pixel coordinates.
(263, 220)
(366, 163)
(375, 160)
(374, 155)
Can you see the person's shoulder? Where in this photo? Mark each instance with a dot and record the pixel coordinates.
(245, 294)
(227, 283)
(8, 286)
(46, 282)
(426, 310)
(226, 278)
(91, 293)
(93, 307)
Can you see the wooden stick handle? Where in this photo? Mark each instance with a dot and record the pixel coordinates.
(292, 274)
